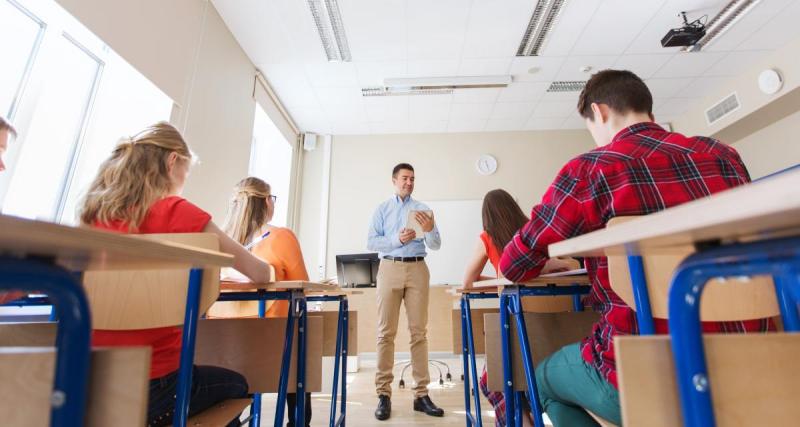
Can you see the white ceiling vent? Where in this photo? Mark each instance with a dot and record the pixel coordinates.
(722, 108)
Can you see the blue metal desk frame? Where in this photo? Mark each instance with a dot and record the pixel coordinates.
(511, 304)
(779, 258)
(64, 289)
(471, 379)
(298, 308)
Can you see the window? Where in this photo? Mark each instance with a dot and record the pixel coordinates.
(74, 99)
(26, 30)
(271, 160)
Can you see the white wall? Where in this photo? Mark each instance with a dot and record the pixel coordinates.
(184, 47)
(361, 169)
(772, 148)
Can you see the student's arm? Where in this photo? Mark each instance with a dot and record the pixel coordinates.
(558, 217)
(376, 240)
(475, 266)
(243, 261)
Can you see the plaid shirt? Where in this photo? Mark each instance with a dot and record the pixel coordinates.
(643, 170)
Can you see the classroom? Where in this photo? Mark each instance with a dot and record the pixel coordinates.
(209, 213)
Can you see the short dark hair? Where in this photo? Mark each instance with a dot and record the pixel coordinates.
(401, 166)
(6, 125)
(621, 90)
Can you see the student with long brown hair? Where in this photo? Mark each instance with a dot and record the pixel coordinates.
(502, 217)
(137, 190)
(248, 222)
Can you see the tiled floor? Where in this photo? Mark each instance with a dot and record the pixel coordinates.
(361, 400)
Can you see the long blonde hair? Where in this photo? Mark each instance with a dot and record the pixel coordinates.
(134, 177)
(247, 212)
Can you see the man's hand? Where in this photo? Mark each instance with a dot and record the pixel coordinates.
(407, 235)
(425, 221)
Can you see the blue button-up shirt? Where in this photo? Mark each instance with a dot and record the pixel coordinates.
(389, 219)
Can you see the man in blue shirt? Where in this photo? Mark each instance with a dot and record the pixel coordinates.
(403, 276)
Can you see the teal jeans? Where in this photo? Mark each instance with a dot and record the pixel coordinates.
(567, 385)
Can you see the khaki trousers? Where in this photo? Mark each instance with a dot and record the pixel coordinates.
(399, 281)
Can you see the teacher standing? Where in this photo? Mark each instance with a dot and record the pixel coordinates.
(403, 276)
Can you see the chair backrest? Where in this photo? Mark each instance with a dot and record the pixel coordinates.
(118, 386)
(754, 379)
(149, 298)
(723, 300)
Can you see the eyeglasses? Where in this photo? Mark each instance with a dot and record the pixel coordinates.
(274, 198)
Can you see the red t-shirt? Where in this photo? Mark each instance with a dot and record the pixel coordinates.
(491, 252)
(169, 215)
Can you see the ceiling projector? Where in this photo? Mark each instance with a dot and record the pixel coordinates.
(688, 35)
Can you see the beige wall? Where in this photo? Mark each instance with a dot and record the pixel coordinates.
(772, 148)
(184, 47)
(445, 168)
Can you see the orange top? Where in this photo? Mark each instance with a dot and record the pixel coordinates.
(491, 252)
(282, 250)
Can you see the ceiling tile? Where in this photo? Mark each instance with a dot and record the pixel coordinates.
(386, 108)
(466, 125)
(345, 113)
(523, 92)
(505, 124)
(542, 123)
(342, 128)
(291, 86)
(561, 96)
(496, 27)
(776, 33)
(619, 22)
(339, 95)
(512, 110)
(484, 67)
(571, 68)
(569, 27)
(372, 74)
(701, 87)
(546, 68)
(470, 111)
(331, 74)
(747, 25)
(436, 29)
(732, 63)
(373, 34)
(689, 64)
(478, 95)
(554, 109)
(433, 68)
(428, 126)
(428, 108)
(666, 88)
(643, 65)
(672, 107)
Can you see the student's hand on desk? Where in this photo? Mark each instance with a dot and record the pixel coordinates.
(407, 235)
(425, 221)
(555, 265)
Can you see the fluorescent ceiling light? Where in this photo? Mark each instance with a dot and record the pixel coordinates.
(435, 85)
(330, 27)
(542, 21)
(566, 86)
(725, 19)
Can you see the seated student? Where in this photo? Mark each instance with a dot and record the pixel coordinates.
(7, 132)
(249, 214)
(137, 191)
(502, 217)
(637, 169)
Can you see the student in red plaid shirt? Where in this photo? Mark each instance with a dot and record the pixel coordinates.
(637, 169)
